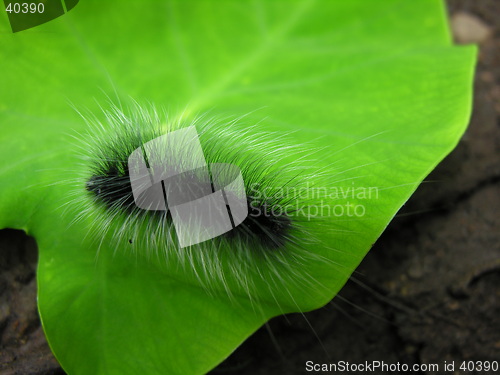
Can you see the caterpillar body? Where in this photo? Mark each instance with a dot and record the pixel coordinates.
(269, 247)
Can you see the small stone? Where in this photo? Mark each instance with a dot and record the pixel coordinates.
(4, 312)
(468, 28)
(487, 77)
(416, 272)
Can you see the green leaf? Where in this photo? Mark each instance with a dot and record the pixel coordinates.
(376, 86)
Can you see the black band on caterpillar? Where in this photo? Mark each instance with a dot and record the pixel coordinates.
(110, 185)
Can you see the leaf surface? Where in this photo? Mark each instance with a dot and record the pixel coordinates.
(376, 85)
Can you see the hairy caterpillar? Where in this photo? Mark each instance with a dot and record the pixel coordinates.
(270, 246)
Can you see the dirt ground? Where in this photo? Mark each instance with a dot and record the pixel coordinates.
(428, 291)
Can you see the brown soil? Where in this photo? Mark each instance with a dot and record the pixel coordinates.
(426, 293)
